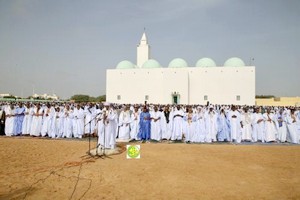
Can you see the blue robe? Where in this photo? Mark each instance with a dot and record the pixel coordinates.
(19, 112)
(223, 128)
(145, 126)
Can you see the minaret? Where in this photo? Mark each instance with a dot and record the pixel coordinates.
(143, 51)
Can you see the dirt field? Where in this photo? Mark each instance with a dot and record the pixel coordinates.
(58, 169)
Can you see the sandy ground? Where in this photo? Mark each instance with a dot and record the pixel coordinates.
(33, 168)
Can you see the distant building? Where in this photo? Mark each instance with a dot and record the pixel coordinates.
(278, 101)
(45, 96)
(232, 83)
(5, 95)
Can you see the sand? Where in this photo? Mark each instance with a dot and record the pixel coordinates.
(34, 168)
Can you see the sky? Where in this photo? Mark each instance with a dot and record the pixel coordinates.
(65, 46)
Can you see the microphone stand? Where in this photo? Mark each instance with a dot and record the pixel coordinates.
(89, 152)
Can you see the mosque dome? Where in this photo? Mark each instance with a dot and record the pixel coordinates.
(178, 63)
(206, 62)
(234, 62)
(125, 64)
(151, 63)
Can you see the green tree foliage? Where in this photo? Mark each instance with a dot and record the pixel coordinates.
(86, 98)
(80, 98)
(101, 98)
(9, 97)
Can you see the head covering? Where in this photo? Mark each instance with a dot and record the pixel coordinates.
(106, 104)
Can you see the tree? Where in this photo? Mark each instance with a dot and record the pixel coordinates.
(9, 97)
(92, 99)
(86, 98)
(80, 98)
(101, 98)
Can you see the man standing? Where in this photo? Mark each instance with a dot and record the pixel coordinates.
(166, 124)
(200, 126)
(88, 113)
(223, 126)
(107, 136)
(235, 125)
(292, 120)
(246, 125)
(258, 126)
(281, 125)
(270, 130)
(211, 118)
(190, 124)
(49, 113)
(124, 122)
(37, 121)
(19, 117)
(78, 121)
(9, 120)
(177, 127)
(145, 126)
(155, 116)
(27, 119)
(2, 120)
(68, 122)
(134, 124)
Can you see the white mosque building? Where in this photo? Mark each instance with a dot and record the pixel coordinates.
(179, 83)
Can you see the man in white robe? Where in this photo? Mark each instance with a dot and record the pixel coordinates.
(124, 124)
(155, 116)
(281, 125)
(37, 121)
(107, 137)
(88, 113)
(293, 134)
(211, 125)
(68, 122)
(258, 126)
(246, 124)
(190, 124)
(235, 125)
(200, 132)
(177, 125)
(60, 118)
(78, 121)
(9, 120)
(165, 123)
(95, 111)
(27, 119)
(270, 130)
(134, 124)
(49, 113)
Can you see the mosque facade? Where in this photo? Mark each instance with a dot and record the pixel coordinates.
(179, 83)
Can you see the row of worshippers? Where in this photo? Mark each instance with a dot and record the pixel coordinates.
(155, 122)
(199, 124)
(52, 120)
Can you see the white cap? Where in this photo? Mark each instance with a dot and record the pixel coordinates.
(106, 104)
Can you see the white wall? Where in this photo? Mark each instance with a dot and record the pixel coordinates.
(133, 85)
(220, 84)
(175, 80)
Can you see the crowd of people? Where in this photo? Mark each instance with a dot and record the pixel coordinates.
(191, 124)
